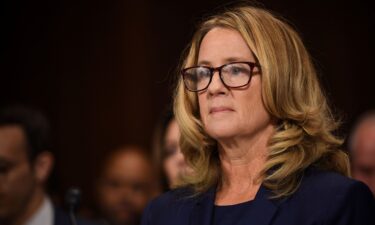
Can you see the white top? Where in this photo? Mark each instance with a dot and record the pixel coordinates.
(44, 215)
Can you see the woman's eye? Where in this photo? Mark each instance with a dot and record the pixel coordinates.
(236, 70)
(202, 74)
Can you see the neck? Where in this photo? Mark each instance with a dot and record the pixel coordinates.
(32, 206)
(242, 160)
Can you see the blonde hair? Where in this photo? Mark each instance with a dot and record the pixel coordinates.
(291, 93)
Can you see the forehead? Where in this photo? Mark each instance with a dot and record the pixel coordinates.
(221, 45)
(12, 142)
(367, 126)
(127, 162)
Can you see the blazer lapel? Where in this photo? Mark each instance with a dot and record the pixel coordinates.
(203, 207)
(263, 209)
(261, 213)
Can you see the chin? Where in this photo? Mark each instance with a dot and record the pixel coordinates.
(220, 131)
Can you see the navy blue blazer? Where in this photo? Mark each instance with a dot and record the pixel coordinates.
(323, 198)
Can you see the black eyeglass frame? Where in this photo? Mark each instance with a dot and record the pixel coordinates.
(212, 70)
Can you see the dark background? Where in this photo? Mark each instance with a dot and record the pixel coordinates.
(101, 70)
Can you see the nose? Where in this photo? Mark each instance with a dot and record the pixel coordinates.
(216, 86)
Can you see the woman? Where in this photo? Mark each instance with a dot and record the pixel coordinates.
(167, 153)
(257, 131)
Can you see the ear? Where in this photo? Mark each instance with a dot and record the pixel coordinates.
(43, 166)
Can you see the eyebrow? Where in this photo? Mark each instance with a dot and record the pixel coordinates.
(227, 60)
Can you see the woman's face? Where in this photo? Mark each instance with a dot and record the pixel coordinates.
(174, 163)
(229, 113)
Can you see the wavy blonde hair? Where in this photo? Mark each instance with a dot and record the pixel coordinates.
(291, 93)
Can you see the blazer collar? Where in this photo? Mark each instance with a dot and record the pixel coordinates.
(261, 214)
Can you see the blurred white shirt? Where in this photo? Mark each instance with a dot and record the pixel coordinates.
(44, 215)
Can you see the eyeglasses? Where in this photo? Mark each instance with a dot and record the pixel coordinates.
(233, 75)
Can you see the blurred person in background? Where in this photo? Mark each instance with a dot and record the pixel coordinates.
(170, 161)
(25, 165)
(362, 150)
(125, 184)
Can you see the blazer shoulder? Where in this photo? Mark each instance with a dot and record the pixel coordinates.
(332, 194)
(319, 188)
(329, 189)
(321, 181)
(329, 198)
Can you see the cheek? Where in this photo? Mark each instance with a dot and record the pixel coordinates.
(203, 109)
(21, 181)
(168, 166)
(252, 98)
(253, 115)
(140, 201)
(17, 188)
(252, 108)
(109, 196)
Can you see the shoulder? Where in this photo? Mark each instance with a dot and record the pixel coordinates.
(328, 183)
(333, 197)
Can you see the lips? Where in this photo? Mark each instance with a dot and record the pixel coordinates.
(220, 109)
